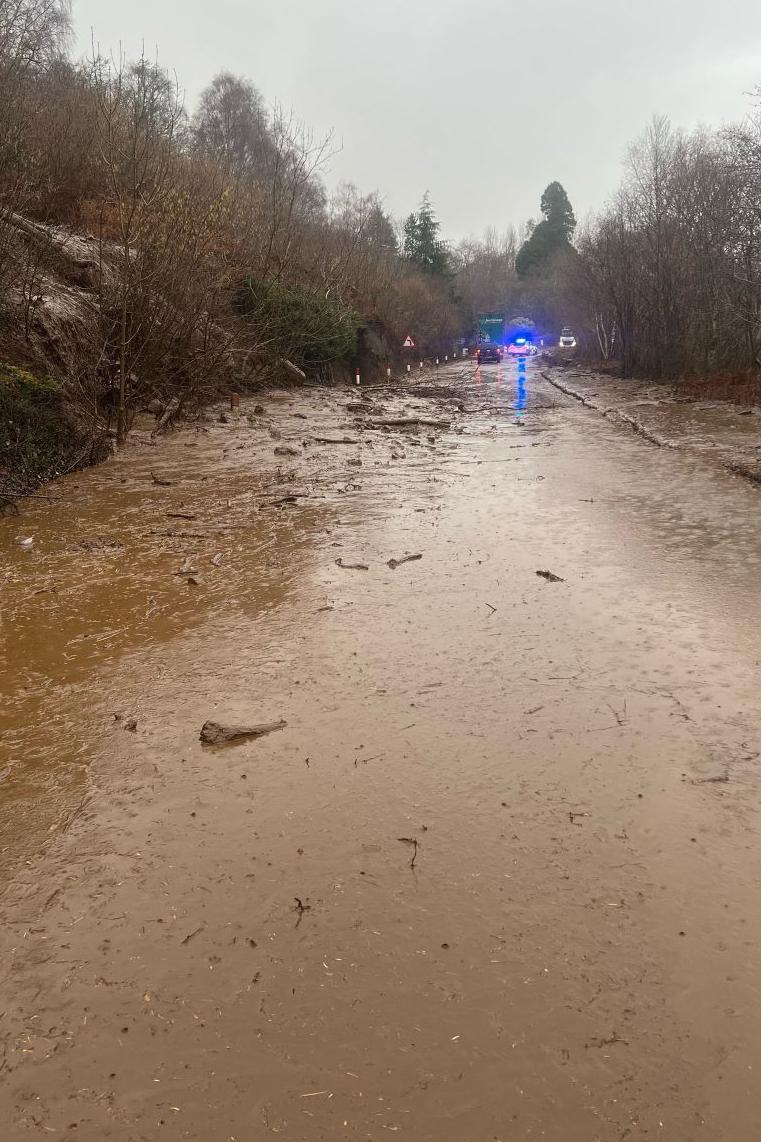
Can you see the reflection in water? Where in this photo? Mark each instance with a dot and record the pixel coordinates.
(521, 397)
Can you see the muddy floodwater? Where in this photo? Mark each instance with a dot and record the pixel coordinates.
(496, 879)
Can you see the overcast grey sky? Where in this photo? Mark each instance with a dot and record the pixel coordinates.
(482, 102)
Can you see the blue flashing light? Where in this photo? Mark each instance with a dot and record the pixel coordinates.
(520, 340)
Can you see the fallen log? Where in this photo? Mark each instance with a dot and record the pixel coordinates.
(294, 370)
(217, 733)
(335, 440)
(409, 422)
(170, 413)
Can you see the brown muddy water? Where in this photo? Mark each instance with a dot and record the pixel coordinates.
(233, 943)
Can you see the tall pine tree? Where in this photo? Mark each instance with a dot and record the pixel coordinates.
(422, 245)
(551, 236)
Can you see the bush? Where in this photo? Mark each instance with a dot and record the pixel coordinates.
(300, 323)
(39, 438)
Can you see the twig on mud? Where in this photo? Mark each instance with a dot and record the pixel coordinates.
(413, 842)
(334, 440)
(409, 422)
(614, 1038)
(302, 906)
(51, 499)
(289, 499)
(491, 608)
(394, 563)
(190, 935)
(620, 718)
(365, 760)
(351, 566)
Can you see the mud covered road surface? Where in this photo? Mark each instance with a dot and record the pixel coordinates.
(498, 876)
(714, 430)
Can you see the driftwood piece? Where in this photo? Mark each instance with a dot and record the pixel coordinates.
(292, 498)
(394, 563)
(352, 566)
(335, 440)
(218, 733)
(409, 422)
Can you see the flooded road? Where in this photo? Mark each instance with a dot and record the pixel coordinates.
(498, 876)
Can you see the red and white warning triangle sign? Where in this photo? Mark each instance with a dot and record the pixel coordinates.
(408, 343)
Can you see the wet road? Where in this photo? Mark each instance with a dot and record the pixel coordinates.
(217, 944)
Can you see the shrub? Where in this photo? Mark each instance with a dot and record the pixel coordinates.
(39, 438)
(300, 323)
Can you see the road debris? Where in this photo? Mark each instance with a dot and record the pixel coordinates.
(409, 422)
(293, 498)
(394, 563)
(352, 566)
(218, 733)
(301, 907)
(187, 568)
(335, 440)
(414, 844)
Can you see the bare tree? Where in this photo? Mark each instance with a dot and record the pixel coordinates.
(232, 126)
(139, 112)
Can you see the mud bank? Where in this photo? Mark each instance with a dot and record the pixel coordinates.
(497, 876)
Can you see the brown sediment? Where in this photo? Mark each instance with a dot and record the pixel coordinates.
(201, 944)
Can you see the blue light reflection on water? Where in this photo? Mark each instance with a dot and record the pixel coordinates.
(521, 395)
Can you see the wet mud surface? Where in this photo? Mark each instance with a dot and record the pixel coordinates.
(717, 432)
(496, 878)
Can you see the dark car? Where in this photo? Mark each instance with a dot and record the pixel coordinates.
(489, 353)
